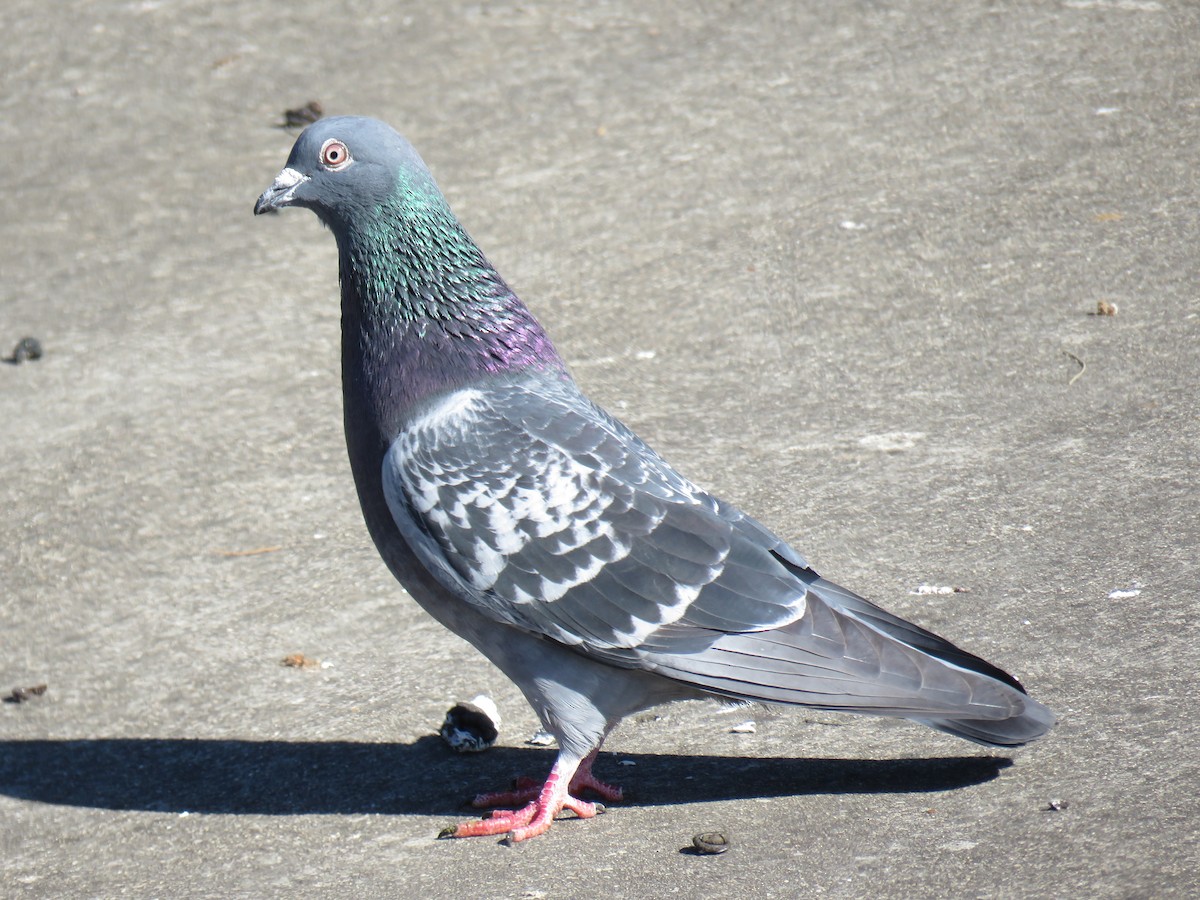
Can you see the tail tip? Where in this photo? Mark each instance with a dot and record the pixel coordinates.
(1032, 723)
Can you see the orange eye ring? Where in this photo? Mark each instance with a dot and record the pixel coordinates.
(335, 155)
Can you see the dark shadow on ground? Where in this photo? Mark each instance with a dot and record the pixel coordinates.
(422, 778)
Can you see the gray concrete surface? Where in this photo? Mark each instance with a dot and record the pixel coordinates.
(829, 258)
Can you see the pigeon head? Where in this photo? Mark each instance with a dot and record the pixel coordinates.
(421, 304)
(403, 252)
(347, 169)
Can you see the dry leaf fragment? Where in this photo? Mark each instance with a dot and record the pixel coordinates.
(299, 661)
(22, 694)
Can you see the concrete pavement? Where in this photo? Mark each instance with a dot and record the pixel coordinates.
(838, 262)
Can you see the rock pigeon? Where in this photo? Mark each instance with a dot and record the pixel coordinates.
(532, 523)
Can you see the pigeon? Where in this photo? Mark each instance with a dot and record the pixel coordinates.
(533, 524)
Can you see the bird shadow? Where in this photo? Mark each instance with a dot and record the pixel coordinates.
(421, 778)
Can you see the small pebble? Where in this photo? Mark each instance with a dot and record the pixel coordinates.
(299, 661)
(710, 843)
(1057, 805)
(303, 115)
(27, 348)
(24, 694)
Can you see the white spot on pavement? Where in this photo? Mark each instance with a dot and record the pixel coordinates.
(891, 441)
(959, 846)
(1125, 5)
(1126, 593)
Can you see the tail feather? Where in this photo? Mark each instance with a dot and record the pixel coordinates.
(1034, 721)
(906, 632)
(847, 654)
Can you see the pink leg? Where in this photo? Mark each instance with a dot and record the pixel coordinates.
(535, 817)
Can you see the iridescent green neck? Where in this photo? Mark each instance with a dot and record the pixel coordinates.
(423, 309)
(412, 261)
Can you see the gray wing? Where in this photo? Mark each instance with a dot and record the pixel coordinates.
(532, 504)
(537, 507)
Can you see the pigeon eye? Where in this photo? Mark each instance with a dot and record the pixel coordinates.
(335, 154)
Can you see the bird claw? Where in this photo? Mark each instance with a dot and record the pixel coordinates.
(526, 790)
(529, 821)
(539, 804)
(502, 821)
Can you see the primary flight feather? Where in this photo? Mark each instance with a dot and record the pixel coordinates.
(532, 523)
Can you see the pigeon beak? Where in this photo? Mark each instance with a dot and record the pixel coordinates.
(279, 194)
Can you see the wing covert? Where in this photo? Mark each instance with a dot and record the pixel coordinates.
(534, 505)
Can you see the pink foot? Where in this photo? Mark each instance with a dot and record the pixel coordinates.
(526, 789)
(535, 817)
